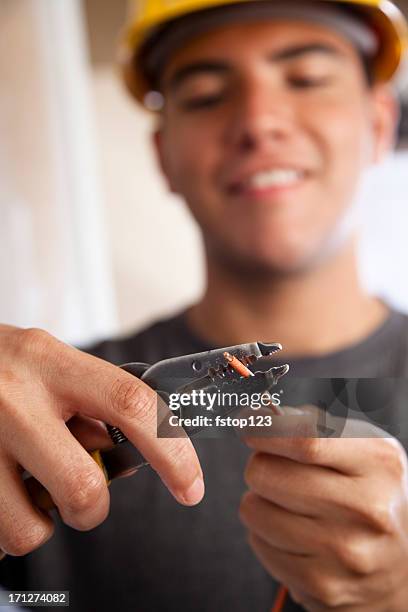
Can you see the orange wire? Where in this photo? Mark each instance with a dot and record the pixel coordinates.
(237, 365)
(241, 369)
(280, 599)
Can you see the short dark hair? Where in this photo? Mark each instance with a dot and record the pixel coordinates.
(368, 68)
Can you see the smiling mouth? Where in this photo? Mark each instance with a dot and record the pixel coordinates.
(268, 180)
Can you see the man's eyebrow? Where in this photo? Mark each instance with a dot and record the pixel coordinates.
(220, 67)
(298, 50)
(190, 70)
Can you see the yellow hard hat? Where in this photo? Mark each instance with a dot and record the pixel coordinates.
(146, 16)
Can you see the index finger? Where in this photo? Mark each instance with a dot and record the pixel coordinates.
(103, 391)
(300, 441)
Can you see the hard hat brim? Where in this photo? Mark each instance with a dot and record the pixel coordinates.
(383, 17)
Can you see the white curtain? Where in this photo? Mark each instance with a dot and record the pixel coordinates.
(54, 257)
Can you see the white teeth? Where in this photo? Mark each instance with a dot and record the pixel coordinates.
(274, 178)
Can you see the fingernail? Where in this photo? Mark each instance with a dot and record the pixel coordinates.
(194, 494)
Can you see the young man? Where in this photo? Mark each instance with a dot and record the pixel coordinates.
(271, 112)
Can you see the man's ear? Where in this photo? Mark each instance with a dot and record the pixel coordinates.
(162, 157)
(385, 118)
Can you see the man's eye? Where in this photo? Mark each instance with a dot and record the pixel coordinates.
(200, 102)
(299, 82)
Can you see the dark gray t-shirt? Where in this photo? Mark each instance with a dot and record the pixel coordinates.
(153, 554)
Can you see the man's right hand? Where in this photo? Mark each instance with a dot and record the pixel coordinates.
(48, 392)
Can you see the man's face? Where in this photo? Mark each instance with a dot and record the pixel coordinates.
(266, 129)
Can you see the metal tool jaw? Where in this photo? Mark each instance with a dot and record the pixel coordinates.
(208, 371)
(202, 370)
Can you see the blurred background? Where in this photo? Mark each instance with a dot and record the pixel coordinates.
(91, 244)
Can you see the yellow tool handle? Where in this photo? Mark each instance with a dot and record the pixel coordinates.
(40, 495)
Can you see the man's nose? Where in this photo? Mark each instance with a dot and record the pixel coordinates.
(261, 115)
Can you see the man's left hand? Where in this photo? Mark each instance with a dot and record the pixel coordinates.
(328, 518)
